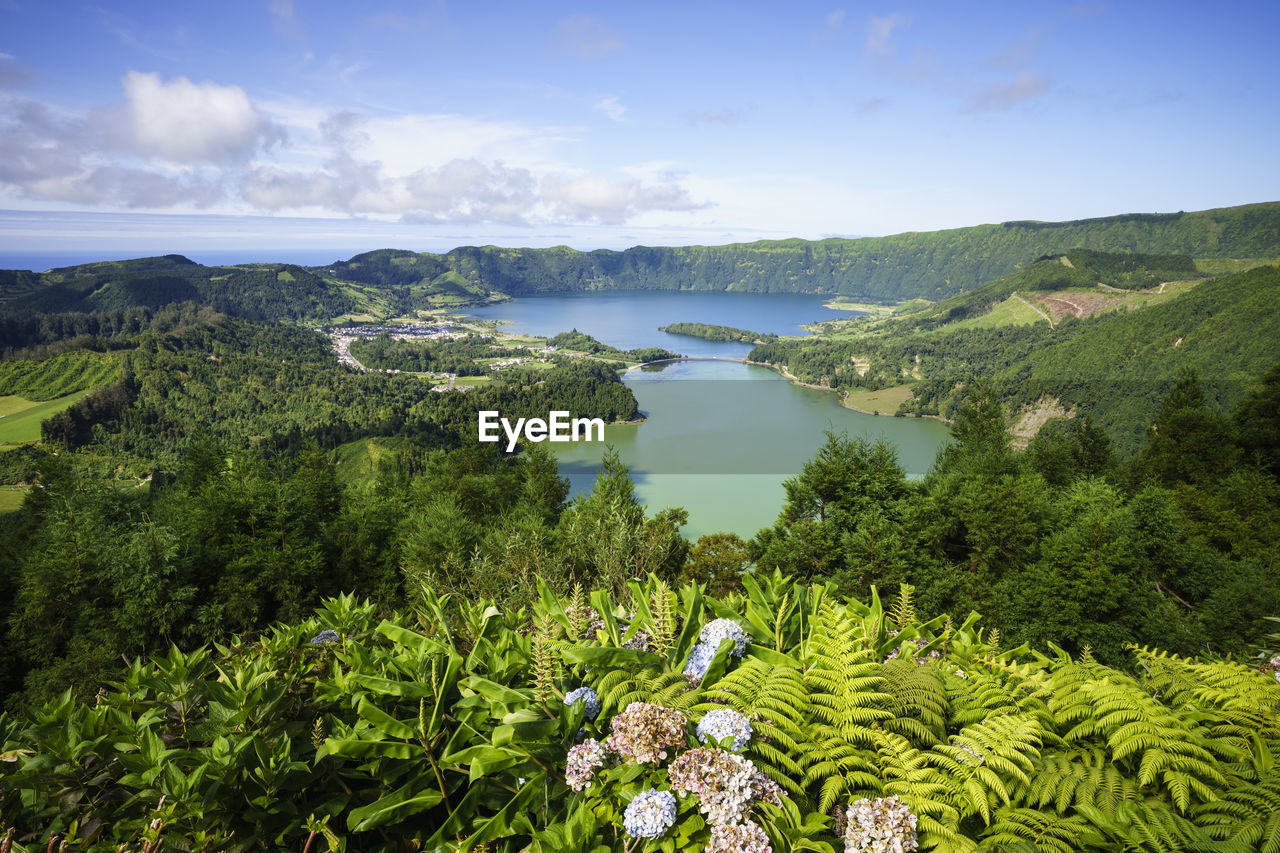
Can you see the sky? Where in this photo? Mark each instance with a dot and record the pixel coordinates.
(337, 126)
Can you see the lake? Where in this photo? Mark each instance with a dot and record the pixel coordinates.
(719, 437)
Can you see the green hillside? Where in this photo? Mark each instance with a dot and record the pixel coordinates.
(1114, 365)
(932, 265)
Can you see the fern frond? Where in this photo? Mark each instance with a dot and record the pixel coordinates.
(1142, 734)
(918, 701)
(843, 678)
(1072, 779)
(936, 800)
(618, 688)
(775, 699)
(1248, 813)
(1000, 688)
(1017, 829)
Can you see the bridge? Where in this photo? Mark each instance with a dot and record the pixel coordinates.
(689, 358)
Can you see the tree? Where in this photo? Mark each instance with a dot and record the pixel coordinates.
(1189, 442)
(717, 560)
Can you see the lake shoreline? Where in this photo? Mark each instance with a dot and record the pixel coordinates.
(844, 395)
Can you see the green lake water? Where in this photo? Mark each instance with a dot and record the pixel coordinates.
(719, 437)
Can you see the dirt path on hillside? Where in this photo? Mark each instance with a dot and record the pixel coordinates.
(1035, 309)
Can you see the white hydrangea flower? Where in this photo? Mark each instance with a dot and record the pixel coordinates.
(722, 723)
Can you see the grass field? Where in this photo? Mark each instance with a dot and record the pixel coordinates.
(357, 461)
(1011, 312)
(885, 401)
(20, 418)
(11, 497)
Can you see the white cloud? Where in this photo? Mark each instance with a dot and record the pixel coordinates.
(1008, 93)
(880, 32)
(835, 19)
(612, 108)
(588, 38)
(596, 198)
(178, 144)
(187, 123)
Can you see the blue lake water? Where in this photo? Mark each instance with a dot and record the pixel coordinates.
(719, 437)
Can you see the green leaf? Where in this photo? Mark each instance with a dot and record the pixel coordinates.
(384, 722)
(498, 825)
(411, 639)
(387, 687)
(610, 657)
(396, 806)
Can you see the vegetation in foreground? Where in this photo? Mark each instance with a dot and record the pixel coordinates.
(784, 718)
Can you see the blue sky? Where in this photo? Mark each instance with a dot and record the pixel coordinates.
(294, 124)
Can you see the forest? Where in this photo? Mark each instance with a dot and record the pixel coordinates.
(1048, 650)
(710, 332)
(389, 282)
(256, 599)
(1115, 366)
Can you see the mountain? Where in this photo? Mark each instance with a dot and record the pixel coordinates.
(1061, 337)
(931, 265)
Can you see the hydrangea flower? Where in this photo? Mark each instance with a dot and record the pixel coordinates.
(725, 723)
(885, 825)
(699, 660)
(722, 781)
(590, 701)
(650, 814)
(645, 733)
(743, 837)
(639, 642)
(325, 637)
(1273, 666)
(584, 759)
(718, 630)
(919, 644)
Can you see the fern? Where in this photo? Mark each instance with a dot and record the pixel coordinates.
(1248, 814)
(845, 702)
(992, 689)
(904, 609)
(1019, 829)
(1243, 700)
(982, 757)
(1142, 734)
(909, 774)
(1080, 777)
(618, 688)
(918, 701)
(775, 699)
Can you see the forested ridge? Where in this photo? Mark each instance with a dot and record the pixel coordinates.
(1114, 366)
(931, 265)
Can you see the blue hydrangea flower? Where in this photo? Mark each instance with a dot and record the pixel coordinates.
(718, 630)
(324, 637)
(723, 723)
(699, 660)
(590, 701)
(650, 814)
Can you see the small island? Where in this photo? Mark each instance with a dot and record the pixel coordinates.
(718, 333)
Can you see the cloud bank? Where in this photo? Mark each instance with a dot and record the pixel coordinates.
(180, 144)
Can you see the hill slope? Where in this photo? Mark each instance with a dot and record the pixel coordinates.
(932, 265)
(1115, 366)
